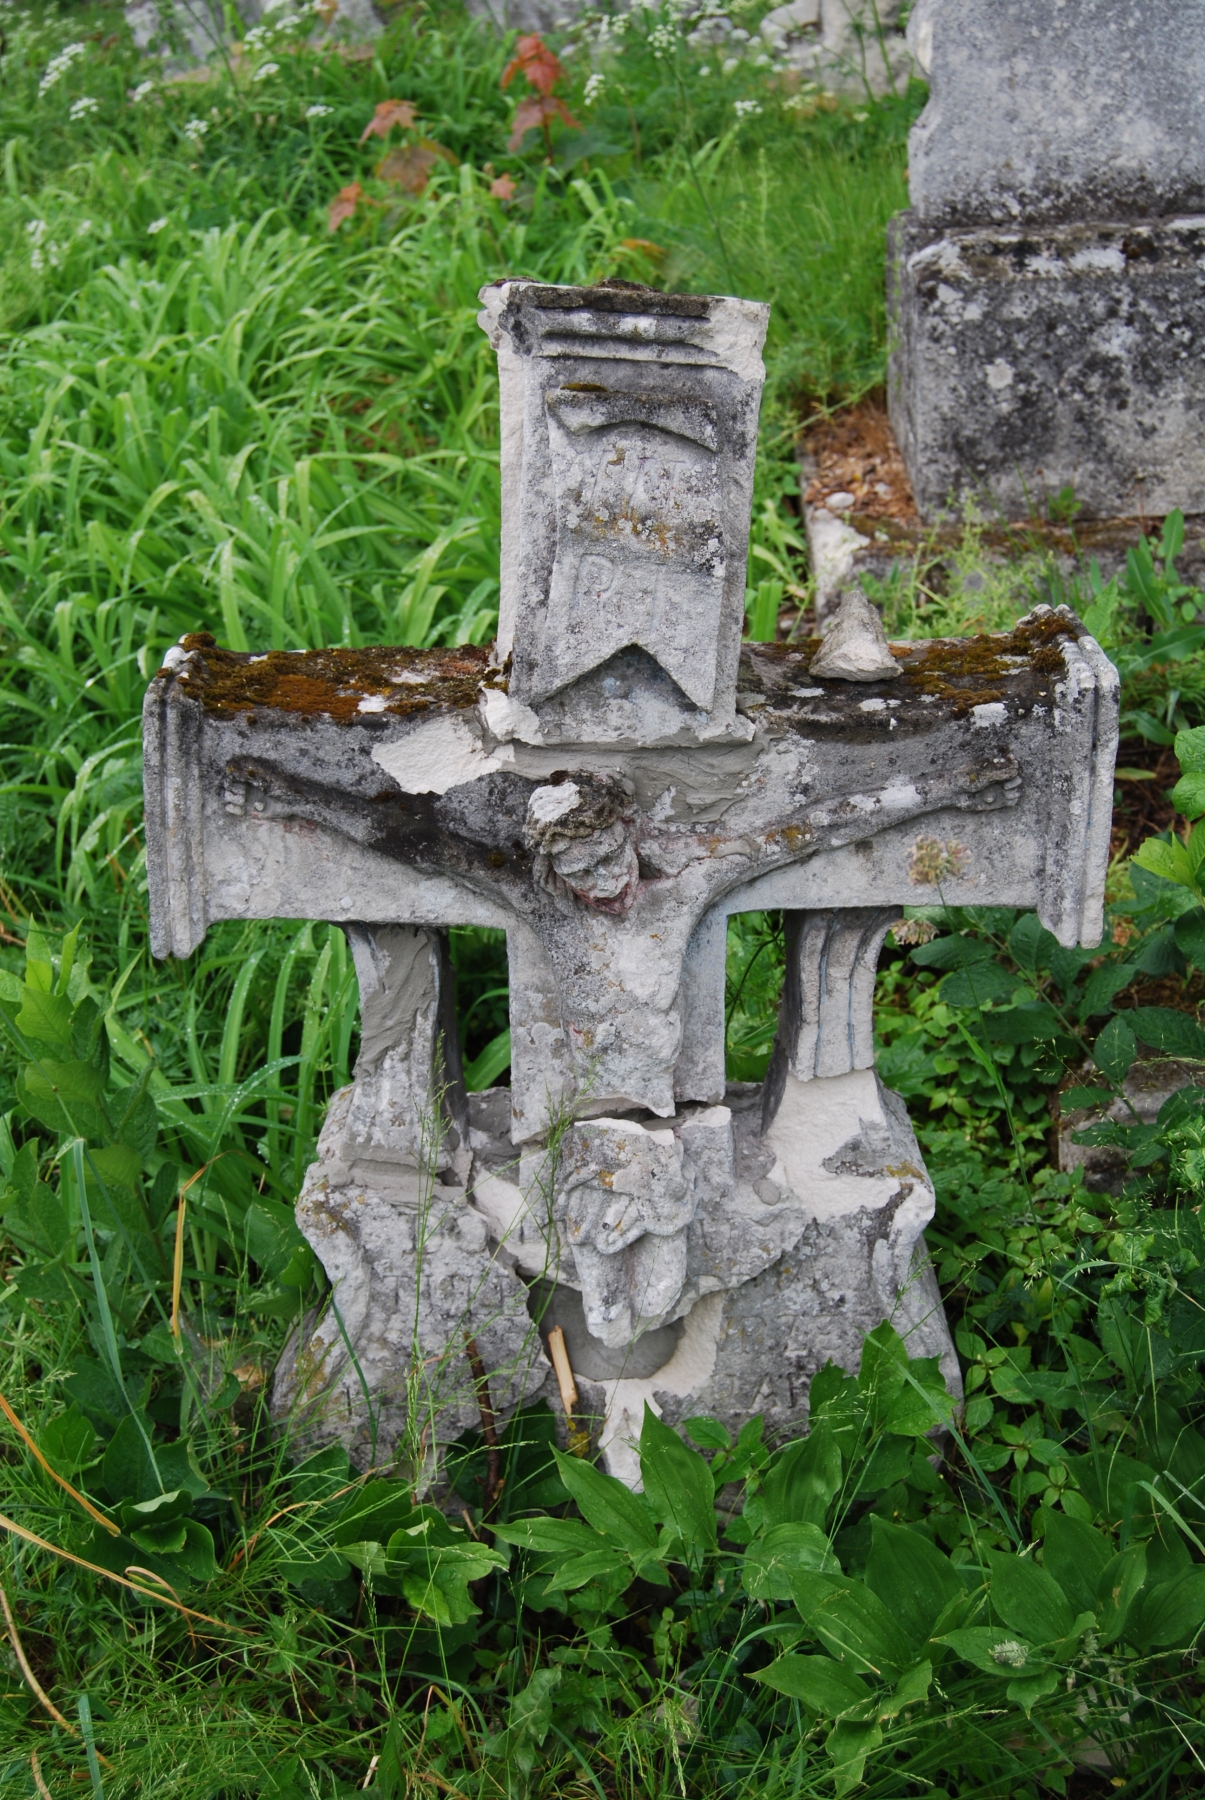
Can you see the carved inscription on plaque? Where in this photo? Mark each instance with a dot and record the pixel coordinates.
(640, 552)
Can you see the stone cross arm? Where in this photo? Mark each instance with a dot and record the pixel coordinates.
(377, 787)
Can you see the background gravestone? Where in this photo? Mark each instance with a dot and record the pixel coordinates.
(189, 33)
(1048, 283)
(851, 47)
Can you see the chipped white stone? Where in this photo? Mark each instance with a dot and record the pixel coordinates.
(437, 755)
(855, 646)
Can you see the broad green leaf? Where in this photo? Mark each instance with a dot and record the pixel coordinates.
(1107, 1481)
(1120, 1583)
(1102, 987)
(677, 1484)
(979, 984)
(952, 953)
(376, 1510)
(853, 1624)
(994, 1650)
(602, 1565)
(65, 1097)
(67, 1441)
(43, 1221)
(708, 1433)
(910, 1691)
(911, 1577)
(1029, 1600)
(1170, 861)
(1190, 934)
(785, 1550)
(1076, 1556)
(46, 1019)
(802, 1479)
(551, 1537)
(23, 1176)
(608, 1505)
(159, 1510)
(1163, 1028)
(826, 1686)
(1027, 1690)
(273, 1237)
(1030, 945)
(922, 1403)
(1188, 795)
(1190, 750)
(848, 1745)
(1173, 1613)
(1115, 1050)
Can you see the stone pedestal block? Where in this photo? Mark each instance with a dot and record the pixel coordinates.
(1029, 359)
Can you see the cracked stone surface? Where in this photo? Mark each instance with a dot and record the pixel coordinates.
(706, 1246)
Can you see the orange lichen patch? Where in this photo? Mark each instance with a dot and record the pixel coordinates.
(976, 671)
(855, 452)
(344, 685)
(962, 672)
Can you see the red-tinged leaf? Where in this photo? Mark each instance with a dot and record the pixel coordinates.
(503, 187)
(539, 109)
(344, 205)
(643, 247)
(388, 114)
(536, 62)
(409, 166)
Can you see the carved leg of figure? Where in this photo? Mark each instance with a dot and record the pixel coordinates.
(411, 1264)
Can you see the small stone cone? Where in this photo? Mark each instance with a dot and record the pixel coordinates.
(855, 645)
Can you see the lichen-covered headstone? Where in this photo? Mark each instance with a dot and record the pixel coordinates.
(1046, 286)
(609, 787)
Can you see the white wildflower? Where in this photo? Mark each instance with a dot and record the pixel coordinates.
(594, 87)
(81, 108)
(705, 70)
(83, 228)
(195, 129)
(746, 109)
(661, 39)
(58, 66)
(37, 229)
(729, 63)
(318, 110)
(155, 226)
(265, 70)
(141, 91)
(255, 38)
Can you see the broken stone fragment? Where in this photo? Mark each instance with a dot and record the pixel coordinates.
(856, 647)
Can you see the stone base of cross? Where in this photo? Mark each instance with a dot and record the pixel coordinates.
(608, 786)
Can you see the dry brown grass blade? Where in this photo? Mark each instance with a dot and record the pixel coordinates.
(27, 1440)
(178, 1257)
(36, 1767)
(31, 1537)
(35, 1687)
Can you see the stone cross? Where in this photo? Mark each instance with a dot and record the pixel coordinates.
(609, 785)
(1047, 300)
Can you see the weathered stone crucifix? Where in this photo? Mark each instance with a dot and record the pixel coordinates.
(608, 785)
